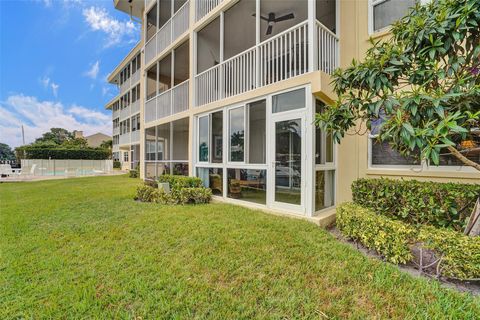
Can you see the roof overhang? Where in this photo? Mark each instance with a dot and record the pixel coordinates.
(131, 7)
(112, 77)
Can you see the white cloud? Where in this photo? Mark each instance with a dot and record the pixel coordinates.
(55, 89)
(99, 20)
(45, 81)
(38, 117)
(93, 71)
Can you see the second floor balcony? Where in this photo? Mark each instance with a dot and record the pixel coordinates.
(166, 22)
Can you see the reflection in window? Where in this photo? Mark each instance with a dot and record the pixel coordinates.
(248, 185)
(288, 101)
(323, 140)
(203, 139)
(256, 132)
(237, 135)
(212, 178)
(385, 12)
(324, 189)
(217, 137)
(383, 154)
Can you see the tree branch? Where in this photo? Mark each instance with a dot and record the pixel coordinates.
(463, 159)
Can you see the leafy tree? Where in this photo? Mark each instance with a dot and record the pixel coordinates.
(422, 84)
(6, 153)
(55, 135)
(75, 143)
(107, 144)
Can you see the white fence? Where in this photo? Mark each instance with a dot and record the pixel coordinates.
(327, 48)
(168, 33)
(73, 168)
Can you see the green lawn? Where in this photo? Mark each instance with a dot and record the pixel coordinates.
(82, 248)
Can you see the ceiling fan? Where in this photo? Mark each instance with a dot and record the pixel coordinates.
(272, 19)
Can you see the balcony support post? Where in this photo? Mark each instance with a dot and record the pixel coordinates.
(257, 42)
(312, 52)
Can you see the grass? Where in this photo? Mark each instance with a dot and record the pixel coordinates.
(82, 248)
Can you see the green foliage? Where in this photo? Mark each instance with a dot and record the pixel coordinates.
(6, 153)
(135, 173)
(117, 165)
(181, 181)
(394, 239)
(107, 144)
(177, 196)
(35, 152)
(460, 253)
(55, 136)
(423, 83)
(438, 204)
(390, 238)
(75, 143)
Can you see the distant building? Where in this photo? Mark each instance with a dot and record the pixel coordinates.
(94, 140)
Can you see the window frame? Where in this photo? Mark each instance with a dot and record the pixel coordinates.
(371, 5)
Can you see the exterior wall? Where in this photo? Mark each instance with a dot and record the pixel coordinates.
(95, 140)
(352, 153)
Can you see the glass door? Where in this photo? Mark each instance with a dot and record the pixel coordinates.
(288, 162)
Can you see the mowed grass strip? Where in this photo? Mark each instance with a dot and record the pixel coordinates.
(82, 248)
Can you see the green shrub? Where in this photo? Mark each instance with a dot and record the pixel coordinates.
(117, 165)
(460, 253)
(52, 152)
(418, 203)
(178, 196)
(390, 238)
(133, 174)
(395, 239)
(181, 181)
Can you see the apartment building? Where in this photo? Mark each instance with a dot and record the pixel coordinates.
(125, 109)
(229, 90)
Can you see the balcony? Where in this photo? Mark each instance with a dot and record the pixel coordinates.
(281, 57)
(125, 113)
(168, 103)
(124, 87)
(203, 7)
(135, 137)
(124, 139)
(116, 131)
(135, 77)
(176, 26)
(135, 107)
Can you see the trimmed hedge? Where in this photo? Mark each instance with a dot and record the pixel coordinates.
(178, 196)
(117, 165)
(181, 181)
(388, 237)
(31, 152)
(446, 205)
(395, 239)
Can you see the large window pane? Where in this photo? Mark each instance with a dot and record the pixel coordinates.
(257, 134)
(203, 139)
(389, 11)
(180, 139)
(217, 137)
(383, 154)
(288, 101)
(324, 189)
(238, 39)
(163, 139)
(208, 46)
(212, 178)
(237, 134)
(248, 185)
(323, 141)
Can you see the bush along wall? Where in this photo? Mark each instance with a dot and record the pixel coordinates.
(30, 152)
(446, 205)
(184, 190)
(457, 256)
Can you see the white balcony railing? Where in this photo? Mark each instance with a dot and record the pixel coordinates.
(167, 103)
(203, 7)
(115, 114)
(135, 137)
(327, 48)
(116, 131)
(125, 86)
(135, 77)
(124, 139)
(279, 58)
(135, 107)
(168, 33)
(125, 113)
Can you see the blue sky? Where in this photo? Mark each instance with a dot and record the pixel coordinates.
(55, 56)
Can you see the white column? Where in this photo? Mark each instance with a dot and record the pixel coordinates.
(312, 53)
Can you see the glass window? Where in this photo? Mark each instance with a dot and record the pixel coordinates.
(385, 12)
(288, 101)
(237, 134)
(256, 132)
(212, 178)
(163, 139)
(180, 139)
(248, 185)
(203, 139)
(324, 189)
(217, 137)
(383, 154)
(323, 141)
